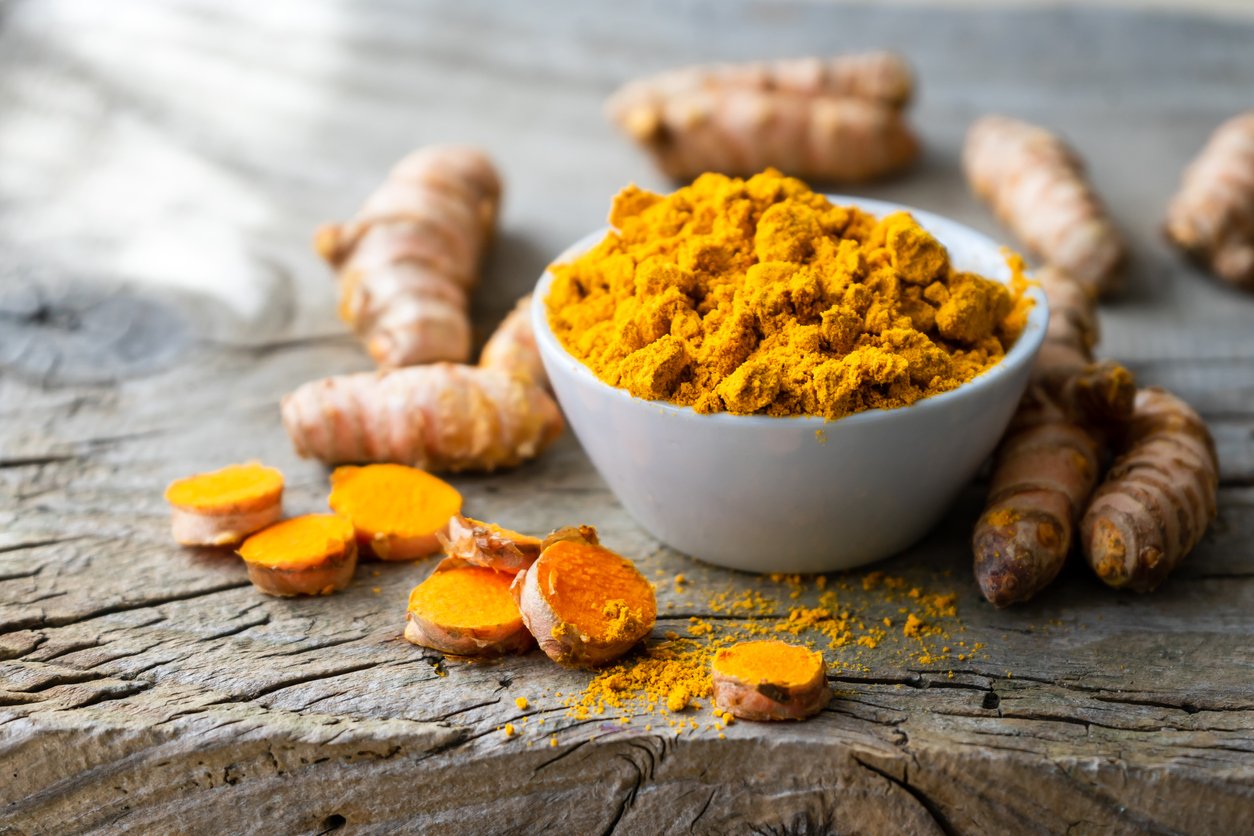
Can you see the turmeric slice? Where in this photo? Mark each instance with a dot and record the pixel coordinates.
(484, 544)
(1158, 497)
(224, 506)
(585, 604)
(310, 555)
(770, 680)
(466, 611)
(398, 512)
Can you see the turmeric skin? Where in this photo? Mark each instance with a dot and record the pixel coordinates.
(466, 611)
(311, 555)
(489, 545)
(770, 680)
(223, 507)
(585, 604)
(759, 296)
(398, 512)
(409, 258)
(1158, 497)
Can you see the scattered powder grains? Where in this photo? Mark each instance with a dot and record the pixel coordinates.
(858, 623)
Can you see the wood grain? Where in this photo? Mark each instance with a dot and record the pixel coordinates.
(162, 165)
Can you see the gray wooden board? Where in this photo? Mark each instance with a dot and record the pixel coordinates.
(161, 167)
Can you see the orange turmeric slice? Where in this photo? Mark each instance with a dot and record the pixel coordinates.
(585, 604)
(398, 512)
(489, 545)
(466, 610)
(310, 555)
(222, 507)
(770, 680)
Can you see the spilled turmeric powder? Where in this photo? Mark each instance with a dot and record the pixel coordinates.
(760, 296)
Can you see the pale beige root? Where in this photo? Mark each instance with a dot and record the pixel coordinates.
(196, 528)
(409, 258)
(484, 544)
(331, 574)
(1212, 216)
(466, 610)
(584, 604)
(1036, 185)
(1158, 497)
(512, 346)
(1049, 460)
(770, 680)
(445, 416)
(835, 120)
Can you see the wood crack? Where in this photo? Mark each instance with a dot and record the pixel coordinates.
(929, 806)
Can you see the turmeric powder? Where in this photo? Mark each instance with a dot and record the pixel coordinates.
(760, 296)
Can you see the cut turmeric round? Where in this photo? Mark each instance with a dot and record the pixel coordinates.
(310, 555)
(466, 611)
(398, 512)
(585, 604)
(770, 680)
(489, 545)
(222, 507)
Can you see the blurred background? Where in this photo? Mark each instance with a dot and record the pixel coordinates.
(188, 148)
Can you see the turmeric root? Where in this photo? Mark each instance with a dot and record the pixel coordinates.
(584, 604)
(1048, 462)
(311, 555)
(1212, 216)
(512, 346)
(1157, 498)
(223, 507)
(1036, 186)
(837, 119)
(770, 680)
(488, 545)
(409, 258)
(444, 416)
(466, 611)
(398, 512)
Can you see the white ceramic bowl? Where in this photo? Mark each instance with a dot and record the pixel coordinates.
(766, 494)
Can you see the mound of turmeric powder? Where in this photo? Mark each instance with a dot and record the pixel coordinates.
(760, 296)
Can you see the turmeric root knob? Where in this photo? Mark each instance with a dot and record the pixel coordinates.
(311, 555)
(1212, 216)
(770, 680)
(512, 346)
(440, 417)
(829, 119)
(398, 512)
(1158, 497)
(1036, 186)
(408, 259)
(224, 506)
(466, 611)
(585, 604)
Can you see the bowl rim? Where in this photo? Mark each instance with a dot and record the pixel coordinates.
(1022, 353)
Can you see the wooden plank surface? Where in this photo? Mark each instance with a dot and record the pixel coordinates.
(161, 167)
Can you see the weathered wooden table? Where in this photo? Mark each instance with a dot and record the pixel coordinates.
(161, 168)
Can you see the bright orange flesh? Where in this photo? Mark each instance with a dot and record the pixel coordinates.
(299, 542)
(237, 487)
(589, 586)
(465, 598)
(771, 662)
(393, 500)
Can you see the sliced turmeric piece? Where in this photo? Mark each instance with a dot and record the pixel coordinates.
(770, 680)
(310, 555)
(585, 604)
(485, 544)
(222, 507)
(398, 512)
(466, 611)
